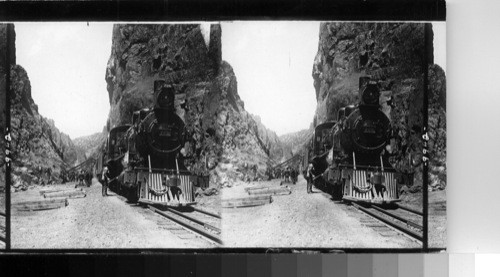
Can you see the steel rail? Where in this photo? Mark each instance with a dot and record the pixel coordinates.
(407, 221)
(390, 223)
(410, 209)
(207, 212)
(204, 224)
(187, 226)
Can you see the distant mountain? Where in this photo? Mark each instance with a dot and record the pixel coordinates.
(89, 145)
(295, 142)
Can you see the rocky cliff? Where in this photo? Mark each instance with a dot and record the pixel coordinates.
(224, 140)
(270, 142)
(393, 54)
(437, 127)
(39, 150)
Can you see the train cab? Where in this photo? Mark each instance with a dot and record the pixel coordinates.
(322, 139)
(117, 142)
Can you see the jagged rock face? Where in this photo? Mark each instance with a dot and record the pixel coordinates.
(62, 143)
(270, 142)
(392, 53)
(37, 145)
(346, 51)
(230, 137)
(224, 140)
(437, 127)
(144, 53)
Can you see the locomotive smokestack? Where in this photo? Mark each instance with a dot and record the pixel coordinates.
(158, 84)
(369, 92)
(363, 81)
(164, 95)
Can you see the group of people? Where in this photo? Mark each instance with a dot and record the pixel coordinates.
(81, 176)
(250, 172)
(288, 174)
(74, 176)
(45, 175)
(84, 177)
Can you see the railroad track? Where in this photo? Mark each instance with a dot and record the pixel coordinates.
(194, 220)
(402, 218)
(189, 222)
(2, 229)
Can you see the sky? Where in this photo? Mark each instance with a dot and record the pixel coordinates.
(273, 61)
(66, 65)
(439, 30)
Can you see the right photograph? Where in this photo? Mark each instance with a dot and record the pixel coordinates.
(335, 135)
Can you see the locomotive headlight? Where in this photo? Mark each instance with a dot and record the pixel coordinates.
(165, 98)
(162, 99)
(371, 94)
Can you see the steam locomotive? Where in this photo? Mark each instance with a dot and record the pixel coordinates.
(144, 158)
(350, 155)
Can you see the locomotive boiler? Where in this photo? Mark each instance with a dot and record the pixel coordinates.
(144, 158)
(350, 155)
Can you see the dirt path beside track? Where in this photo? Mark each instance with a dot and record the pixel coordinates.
(301, 220)
(93, 222)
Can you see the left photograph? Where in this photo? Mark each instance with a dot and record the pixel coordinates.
(113, 136)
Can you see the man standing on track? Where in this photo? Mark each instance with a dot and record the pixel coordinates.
(88, 178)
(310, 177)
(287, 174)
(81, 178)
(293, 175)
(105, 181)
